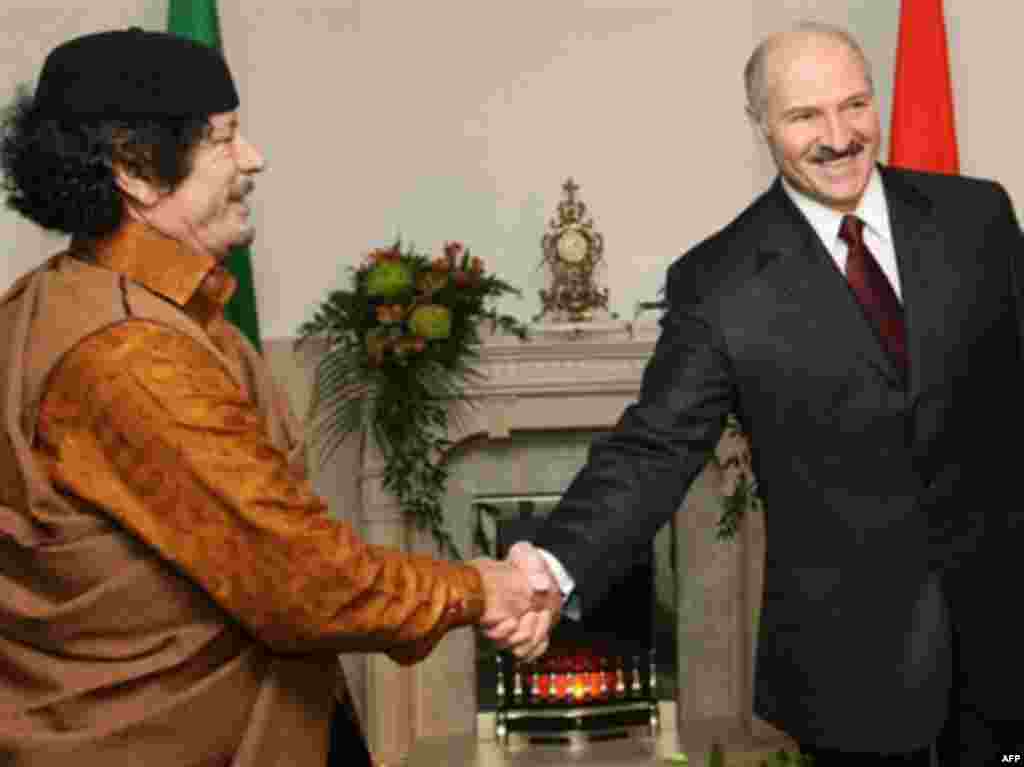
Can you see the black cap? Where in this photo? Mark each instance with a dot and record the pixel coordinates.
(134, 73)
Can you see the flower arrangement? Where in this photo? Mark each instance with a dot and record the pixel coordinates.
(401, 343)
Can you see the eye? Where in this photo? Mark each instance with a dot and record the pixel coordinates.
(222, 139)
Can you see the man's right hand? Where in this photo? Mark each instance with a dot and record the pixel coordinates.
(509, 599)
(526, 634)
(508, 592)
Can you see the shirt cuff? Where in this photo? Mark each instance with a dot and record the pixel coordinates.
(570, 604)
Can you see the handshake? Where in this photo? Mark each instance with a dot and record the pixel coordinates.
(522, 601)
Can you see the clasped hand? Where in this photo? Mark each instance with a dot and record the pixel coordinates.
(523, 602)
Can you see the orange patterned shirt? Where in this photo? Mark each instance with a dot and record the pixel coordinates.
(145, 423)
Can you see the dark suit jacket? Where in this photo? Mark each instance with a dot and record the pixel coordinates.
(885, 499)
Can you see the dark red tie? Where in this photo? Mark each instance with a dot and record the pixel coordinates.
(874, 291)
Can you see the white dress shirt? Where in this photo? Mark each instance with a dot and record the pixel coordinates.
(873, 210)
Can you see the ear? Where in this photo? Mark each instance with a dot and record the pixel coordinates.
(136, 188)
(756, 121)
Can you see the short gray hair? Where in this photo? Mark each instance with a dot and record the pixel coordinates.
(755, 73)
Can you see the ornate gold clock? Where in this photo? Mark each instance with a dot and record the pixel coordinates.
(572, 251)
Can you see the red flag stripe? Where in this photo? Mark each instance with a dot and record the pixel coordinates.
(923, 135)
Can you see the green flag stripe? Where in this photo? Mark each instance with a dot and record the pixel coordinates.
(197, 20)
(241, 309)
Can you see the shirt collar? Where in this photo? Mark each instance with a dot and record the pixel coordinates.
(872, 210)
(196, 282)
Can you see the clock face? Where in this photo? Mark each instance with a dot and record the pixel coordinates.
(572, 246)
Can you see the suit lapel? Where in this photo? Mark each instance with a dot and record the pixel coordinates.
(918, 241)
(793, 261)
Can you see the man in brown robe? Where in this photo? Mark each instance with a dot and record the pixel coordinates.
(172, 592)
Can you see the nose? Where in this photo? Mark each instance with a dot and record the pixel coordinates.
(249, 158)
(836, 134)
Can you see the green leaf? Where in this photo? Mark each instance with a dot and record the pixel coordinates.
(743, 499)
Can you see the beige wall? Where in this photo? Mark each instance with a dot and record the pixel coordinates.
(459, 119)
(28, 30)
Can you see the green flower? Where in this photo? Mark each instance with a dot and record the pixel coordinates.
(388, 278)
(431, 321)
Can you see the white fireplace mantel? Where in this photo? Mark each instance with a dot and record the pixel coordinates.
(563, 377)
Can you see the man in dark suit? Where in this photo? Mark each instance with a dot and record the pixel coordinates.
(865, 325)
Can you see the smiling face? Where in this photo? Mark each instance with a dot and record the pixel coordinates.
(208, 209)
(820, 118)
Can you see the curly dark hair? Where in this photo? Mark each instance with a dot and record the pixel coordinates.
(59, 173)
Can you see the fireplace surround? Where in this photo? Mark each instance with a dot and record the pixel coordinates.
(566, 380)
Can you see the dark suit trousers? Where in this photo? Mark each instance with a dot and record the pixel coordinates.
(969, 737)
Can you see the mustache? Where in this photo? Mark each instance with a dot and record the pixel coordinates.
(825, 154)
(244, 189)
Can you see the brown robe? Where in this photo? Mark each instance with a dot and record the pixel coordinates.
(122, 642)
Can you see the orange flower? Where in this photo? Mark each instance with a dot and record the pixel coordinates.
(476, 265)
(377, 255)
(440, 264)
(390, 314)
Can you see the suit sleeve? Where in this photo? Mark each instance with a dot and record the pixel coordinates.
(142, 422)
(636, 477)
